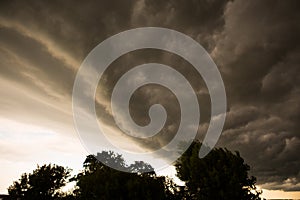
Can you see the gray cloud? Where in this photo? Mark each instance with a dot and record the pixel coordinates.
(254, 43)
(257, 54)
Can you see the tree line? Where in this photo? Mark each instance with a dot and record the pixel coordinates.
(221, 175)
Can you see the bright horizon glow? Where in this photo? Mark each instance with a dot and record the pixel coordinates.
(279, 194)
(49, 144)
(27, 146)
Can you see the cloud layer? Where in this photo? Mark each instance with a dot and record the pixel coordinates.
(255, 44)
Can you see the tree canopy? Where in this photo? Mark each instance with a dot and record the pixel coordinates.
(99, 181)
(43, 183)
(220, 175)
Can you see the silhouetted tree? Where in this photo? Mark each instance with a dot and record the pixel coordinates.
(44, 183)
(220, 175)
(99, 181)
(174, 191)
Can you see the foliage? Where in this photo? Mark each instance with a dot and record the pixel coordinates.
(220, 175)
(43, 183)
(98, 181)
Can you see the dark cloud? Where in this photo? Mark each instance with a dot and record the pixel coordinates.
(258, 55)
(254, 43)
(202, 20)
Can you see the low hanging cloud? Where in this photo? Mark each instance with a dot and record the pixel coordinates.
(255, 44)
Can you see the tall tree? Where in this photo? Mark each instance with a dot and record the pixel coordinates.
(43, 183)
(99, 181)
(220, 175)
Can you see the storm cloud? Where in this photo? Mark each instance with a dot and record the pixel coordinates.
(255, 44)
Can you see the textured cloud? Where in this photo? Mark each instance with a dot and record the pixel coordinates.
(254, 43)
(258, 54)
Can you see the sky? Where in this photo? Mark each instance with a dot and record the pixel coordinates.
(255, 45)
